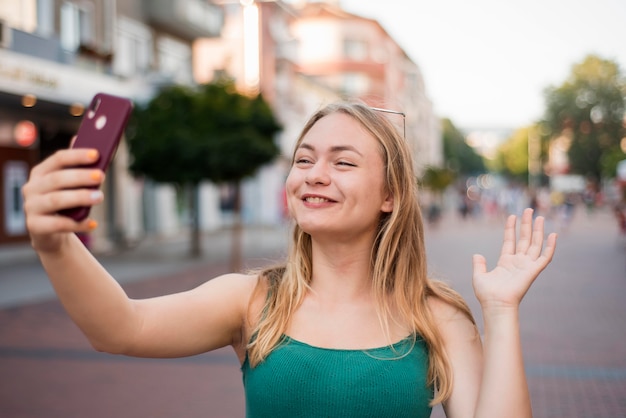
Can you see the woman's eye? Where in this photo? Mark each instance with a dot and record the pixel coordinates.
(303, 161)
(345, 163)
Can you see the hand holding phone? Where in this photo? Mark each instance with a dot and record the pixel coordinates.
(101, 128)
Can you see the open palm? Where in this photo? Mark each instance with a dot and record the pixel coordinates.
(518, 266)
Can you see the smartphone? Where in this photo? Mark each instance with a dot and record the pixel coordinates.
(101, 128)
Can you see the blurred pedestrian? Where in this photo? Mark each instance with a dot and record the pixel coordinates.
(619, 209)
(350, 324)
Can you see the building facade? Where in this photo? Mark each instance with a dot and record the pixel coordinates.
(303, 55)
(56, 54)
(358, 58)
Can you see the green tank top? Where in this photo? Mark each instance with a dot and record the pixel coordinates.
(299, 380)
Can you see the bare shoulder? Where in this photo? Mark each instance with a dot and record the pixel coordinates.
(240, 281)
(246, 294)
(443, 310)
(236, 289)
(451, 320)
(247, 291)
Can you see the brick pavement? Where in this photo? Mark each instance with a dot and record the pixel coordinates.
(573, 319)
(573, 323)
(50, 370)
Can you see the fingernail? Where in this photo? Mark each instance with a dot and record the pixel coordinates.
(96, 195)
(92, 224)
(96, 175)
(92, 154)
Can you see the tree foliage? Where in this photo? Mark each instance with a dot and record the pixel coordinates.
(458, 155)
(511, 158)
(185, 136)
(589, 107)
(437, 179)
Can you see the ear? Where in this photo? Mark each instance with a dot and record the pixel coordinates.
(387, 205)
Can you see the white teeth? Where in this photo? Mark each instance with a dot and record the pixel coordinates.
(316, 200)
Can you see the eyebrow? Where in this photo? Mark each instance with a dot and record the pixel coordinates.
(333, 149)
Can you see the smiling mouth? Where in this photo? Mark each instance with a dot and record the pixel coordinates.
(312, 199)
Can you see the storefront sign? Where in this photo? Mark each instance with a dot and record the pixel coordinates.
(22, 74)
(32, 77)
(25, 133)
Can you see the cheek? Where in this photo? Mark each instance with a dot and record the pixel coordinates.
(290, 183)
(291, 187)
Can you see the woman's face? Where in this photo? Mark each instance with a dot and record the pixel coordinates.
(336, 184)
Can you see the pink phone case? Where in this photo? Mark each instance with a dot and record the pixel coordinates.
(101, 128)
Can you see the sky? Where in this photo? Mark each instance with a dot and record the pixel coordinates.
(486, 63)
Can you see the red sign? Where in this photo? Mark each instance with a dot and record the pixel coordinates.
(25, 133)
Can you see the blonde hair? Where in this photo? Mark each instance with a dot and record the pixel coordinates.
(398, 261)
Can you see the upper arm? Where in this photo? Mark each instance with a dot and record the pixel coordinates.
(463, 347)
(207, 317)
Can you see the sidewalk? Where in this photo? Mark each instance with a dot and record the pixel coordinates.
(571, 326)
(23, 280)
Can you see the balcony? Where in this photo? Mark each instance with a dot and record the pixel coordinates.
(34, 45)
(188, 19)
(50, 49)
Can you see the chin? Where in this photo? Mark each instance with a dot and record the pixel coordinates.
(313, 228)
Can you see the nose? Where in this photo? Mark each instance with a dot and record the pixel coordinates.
(318, 174)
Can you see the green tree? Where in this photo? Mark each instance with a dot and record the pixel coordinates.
(589, 107)
(458, 155)
(184, 136)
(512, 156)
(437, 180)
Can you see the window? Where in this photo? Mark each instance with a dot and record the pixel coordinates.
(134, 48)
(355, 84)
(45, 18)
(77, 26)
(355, 50)
(175, 60)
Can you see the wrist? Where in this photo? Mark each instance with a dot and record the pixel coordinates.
(500, 312)
(50, 246)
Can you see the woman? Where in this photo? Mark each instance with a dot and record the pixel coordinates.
(350, 324)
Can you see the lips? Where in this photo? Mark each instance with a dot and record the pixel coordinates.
(316, 199)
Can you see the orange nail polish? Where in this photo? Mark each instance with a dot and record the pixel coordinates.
(96, 175)
(92, 224)
(92, 154)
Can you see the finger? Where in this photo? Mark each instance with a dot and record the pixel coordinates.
(50, 203)
(526, 228)
(508, 245)
(58, 223)
(537, 238)
(65, 158)
(68, 178)
(548, 251)
(479, 264)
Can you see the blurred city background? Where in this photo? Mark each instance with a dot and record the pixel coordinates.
(221, 90)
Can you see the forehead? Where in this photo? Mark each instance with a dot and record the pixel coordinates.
(339, 129)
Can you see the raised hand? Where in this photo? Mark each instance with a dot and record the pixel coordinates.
(518, 266)
(53, 186)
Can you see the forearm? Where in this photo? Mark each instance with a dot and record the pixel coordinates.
(504, 390)
(92, 298)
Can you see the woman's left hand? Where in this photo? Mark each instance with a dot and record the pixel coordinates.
(518, 266)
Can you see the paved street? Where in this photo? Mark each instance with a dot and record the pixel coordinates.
(573, 329)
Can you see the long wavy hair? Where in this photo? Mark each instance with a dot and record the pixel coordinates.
(398, 260)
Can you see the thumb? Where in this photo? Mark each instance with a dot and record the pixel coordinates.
(479, 264)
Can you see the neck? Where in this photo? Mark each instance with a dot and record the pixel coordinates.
(341, 272)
